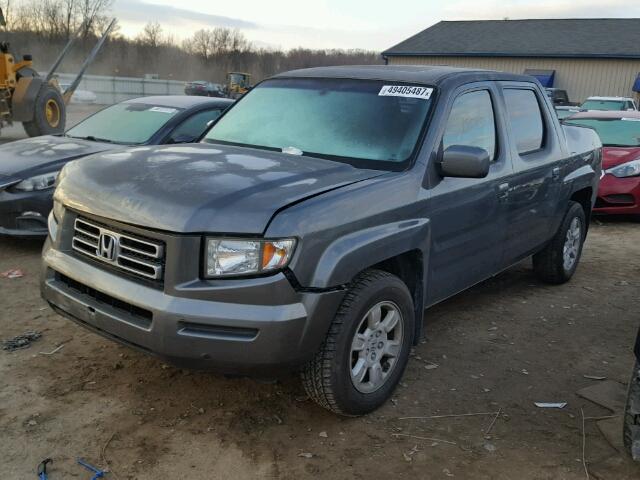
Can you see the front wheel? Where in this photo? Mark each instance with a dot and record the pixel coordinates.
(366, 349)
(558, 261)
(631, 431)
(49, 114)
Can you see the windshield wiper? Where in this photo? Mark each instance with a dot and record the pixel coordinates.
(91, 138)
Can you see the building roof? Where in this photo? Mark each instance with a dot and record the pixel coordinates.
(555, 38)
(181, 101)
(425, 74)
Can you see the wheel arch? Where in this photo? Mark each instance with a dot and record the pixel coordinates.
(584, 197)
(400, 248)
(409, 267)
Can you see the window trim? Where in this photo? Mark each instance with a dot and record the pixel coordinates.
(170, 133)
(545, 127)
(496, 131)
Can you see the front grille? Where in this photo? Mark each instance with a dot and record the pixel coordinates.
(143, 316)
(139, 256)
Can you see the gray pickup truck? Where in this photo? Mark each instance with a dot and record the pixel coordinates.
(317, 219)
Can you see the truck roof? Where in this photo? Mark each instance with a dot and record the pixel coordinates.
(427, 74)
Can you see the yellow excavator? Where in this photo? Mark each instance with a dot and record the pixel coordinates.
(35, 101)
(238, 84)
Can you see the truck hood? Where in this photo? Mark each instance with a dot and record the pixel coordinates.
(198, 187)
(43, 154)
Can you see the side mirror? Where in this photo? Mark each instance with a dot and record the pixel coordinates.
(183, 138)
(464, 162)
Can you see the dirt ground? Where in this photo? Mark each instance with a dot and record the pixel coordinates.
(501, 346)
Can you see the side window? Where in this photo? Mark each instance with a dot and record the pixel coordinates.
(471, 123)
(526, 119)
(193, 127)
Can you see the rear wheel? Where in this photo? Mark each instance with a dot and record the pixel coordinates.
(367, 348)
(49, 114)
(631, 431)
(558, 261)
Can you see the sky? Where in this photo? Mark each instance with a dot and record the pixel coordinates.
(364, 24)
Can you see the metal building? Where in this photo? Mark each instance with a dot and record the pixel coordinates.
(583, 56)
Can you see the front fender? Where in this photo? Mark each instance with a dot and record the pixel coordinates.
(350, 254)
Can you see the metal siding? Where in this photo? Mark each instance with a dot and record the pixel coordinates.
(110, 90)
(580, 77)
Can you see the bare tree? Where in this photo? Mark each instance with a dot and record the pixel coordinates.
(92, 13)
(202, 44)
(6, 10)
(151, 35)
(41, 27)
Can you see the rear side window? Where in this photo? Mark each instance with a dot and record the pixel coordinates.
(525, 118)
(471, 123)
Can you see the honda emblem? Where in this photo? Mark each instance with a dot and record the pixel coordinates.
(107, 247)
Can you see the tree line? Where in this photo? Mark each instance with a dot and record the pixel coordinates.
(42, 27)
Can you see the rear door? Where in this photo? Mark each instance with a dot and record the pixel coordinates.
(468, 215)
(535, 188)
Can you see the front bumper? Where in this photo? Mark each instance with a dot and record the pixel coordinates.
(618, 196)
(24, 214)
(275, 328)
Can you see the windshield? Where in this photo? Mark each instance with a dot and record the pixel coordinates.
(124, 123)
(370, 122)
(603, 105)
(617, 132)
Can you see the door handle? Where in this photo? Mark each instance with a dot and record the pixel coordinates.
(556, 173)
(503, 191)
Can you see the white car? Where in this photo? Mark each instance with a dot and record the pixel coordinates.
(609, 103)
(80, 96)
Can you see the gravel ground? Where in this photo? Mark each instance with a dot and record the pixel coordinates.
(501, 346)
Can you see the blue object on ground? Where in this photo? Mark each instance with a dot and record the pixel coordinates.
(98, 473)
(42, 469)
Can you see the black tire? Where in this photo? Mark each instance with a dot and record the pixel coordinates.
(549, 264)
(327, 377)
(50, 98)
(631, 430)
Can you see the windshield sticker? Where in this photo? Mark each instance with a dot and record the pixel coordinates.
(627, 119)
(162, 109)
(405, 91)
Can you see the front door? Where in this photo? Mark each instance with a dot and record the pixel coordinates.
(468, 216)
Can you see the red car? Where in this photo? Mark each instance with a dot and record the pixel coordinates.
(619, 131)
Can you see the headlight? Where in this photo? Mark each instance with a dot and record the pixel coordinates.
(629, 169)
(58, 210)
(39, 182)
(52, 223)
(227, 257)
